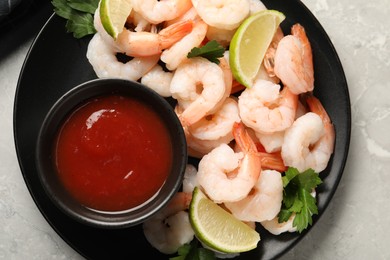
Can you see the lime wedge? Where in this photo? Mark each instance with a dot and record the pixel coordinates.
(113, 14)
(217, 228)
(250, 43)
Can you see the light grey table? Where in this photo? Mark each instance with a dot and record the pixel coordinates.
(356, 225)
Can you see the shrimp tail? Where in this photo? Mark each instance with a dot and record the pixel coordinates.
(272, 161)
(315, 106)
(174, 32)
(299, 31)
(243, 139)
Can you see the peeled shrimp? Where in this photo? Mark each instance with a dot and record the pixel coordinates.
(158, 80)
(159, 11)
(323, 148)
(139, 44)
(223, 14)
(102, 57)
(269, 57)
(276, 228)
(177, 53)
(256, 6)
(265, 109)
(272, 142)
(200, 87)
(138, 22)
(227, 176)
(263, 202)
(298, 140)
(294, 61)
(190, 180)
(269, 160)
(213, 130)
(170, 228)
(309, 142)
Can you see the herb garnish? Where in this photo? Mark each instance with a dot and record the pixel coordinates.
(193, 251)
(297, 198)
(79, 15)
(212, 50)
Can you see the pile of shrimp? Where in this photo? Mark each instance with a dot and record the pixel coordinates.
(244, 138)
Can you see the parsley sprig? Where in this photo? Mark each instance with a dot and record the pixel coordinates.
(212, 50)
(79, 15)
(193, 251)
(297, 198)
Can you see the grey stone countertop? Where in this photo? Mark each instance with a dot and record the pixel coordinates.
(356, 224)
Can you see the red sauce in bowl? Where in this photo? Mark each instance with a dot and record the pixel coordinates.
(113, 153)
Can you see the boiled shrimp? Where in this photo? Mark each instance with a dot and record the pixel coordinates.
(294, 61)
(263, 202)
(309, 142)
(142, 43)
(274, 227)
(269, 160)
(323, 148)
(213, 130)
(298, 140)
(269, 57)
(170, 228)
(159, 11)
(256, 6)
(102, 57)
(200, 87)
(265, 109)
(138, 22)
(158, 80)
(190, 180)
(228, 176)
(177, 53)
(272, 142)
(223, 14)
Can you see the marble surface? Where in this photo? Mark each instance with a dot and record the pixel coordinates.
(356, 224)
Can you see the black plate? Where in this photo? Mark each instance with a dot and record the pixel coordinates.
(56, 62)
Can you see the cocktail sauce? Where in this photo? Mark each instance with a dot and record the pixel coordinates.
(113, 153)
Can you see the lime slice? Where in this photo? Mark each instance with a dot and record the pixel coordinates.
(113, 14)
(217, 228)
(250, 43)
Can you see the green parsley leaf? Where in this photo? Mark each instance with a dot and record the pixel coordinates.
(79, 15)
(86, 6)
(61, 8)
(284, 215)
(81, 25)
(297, 198)
(303, 219)
(193, 251)
(182, 252)
(289, 175)
(211, 51)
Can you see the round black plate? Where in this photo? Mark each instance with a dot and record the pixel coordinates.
(56, 62)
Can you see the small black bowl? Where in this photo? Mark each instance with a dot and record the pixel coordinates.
(56, 117)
